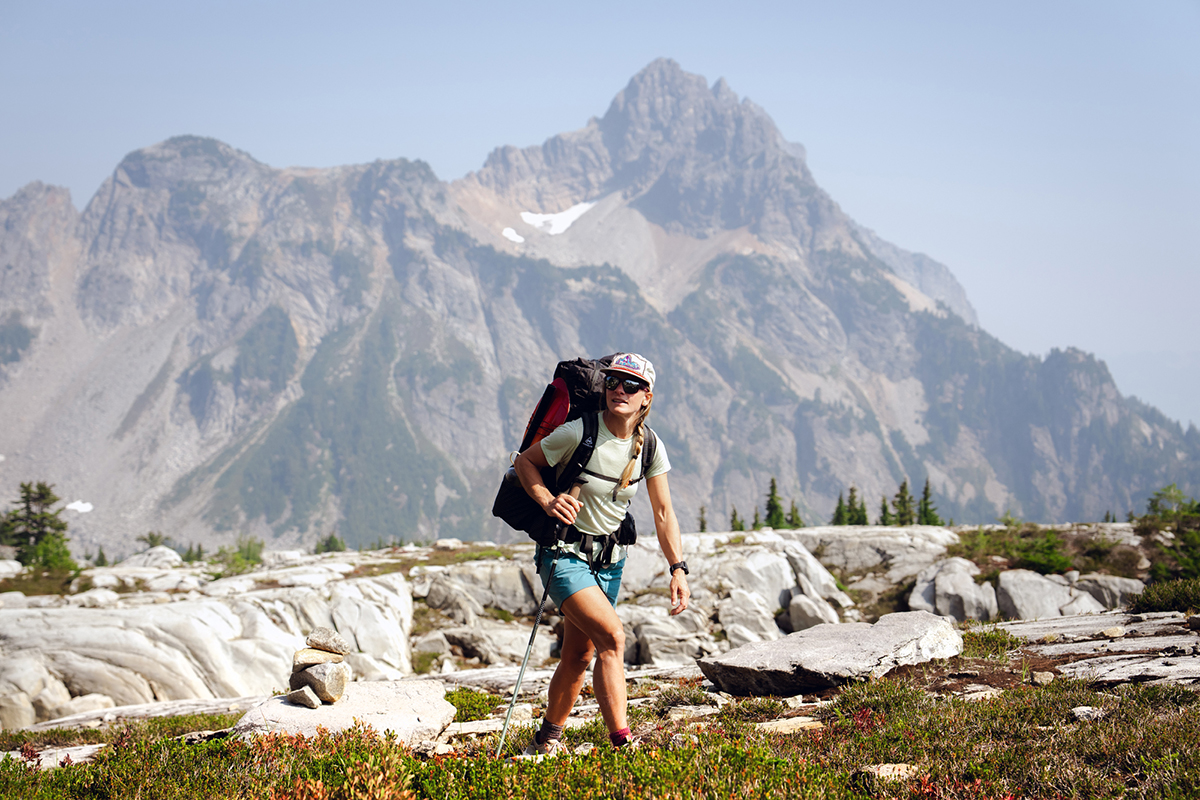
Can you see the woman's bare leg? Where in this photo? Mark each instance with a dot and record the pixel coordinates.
(591, 626)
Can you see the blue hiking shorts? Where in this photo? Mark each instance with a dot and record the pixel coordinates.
(573, 574)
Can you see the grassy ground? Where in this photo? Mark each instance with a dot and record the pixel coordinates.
(1022, 743)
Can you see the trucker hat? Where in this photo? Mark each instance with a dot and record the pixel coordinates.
(631, 364)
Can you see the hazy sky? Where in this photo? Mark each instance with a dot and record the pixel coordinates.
(1048, 153)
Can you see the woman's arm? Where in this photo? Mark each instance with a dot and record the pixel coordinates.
(667, 527)
(529, 466)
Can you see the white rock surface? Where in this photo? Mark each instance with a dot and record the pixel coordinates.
(900, 552)
(746, 617)
(161, 557)
(831, 655)
(212, 647)
(1111, 591)
(415, 710)
(947, 588)
(1024, 594)
(10, 568)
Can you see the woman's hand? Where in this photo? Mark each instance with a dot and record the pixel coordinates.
(563, 508)
(680, 593)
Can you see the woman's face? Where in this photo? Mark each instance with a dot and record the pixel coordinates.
(624, 403)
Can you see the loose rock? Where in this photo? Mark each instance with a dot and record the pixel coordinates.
(327, 680)
(329, 640)
(310, 657)
(304, 696)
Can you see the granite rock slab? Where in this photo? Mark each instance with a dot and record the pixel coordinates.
(831, 655)
(415, 710)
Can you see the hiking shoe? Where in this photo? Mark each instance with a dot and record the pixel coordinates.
(550, 748)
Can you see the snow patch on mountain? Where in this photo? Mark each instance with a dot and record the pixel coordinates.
(554, 224)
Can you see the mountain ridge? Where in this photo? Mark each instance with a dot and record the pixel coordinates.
(219, 347)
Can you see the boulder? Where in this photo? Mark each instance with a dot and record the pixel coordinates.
(95, 598)
(494, 642)
(668, 641)
(16, 711)
(10, 568)
(161, 557)
(327, 640)
(947, 588)
(452, 598)
(415, 710)
(87, 703)
(746, 617)
(805, 612)
(1024, 594)
(831, 655)
(329, 681)
(807, 568)
(46, 703)
(1109, 590)
(499, 584)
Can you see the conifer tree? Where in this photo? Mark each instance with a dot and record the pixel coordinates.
(757, 522)
(926, 510)
(37, 532)
(903, 504)
(735, 522)
(703, 520)
(856, 509)
(793, 517)
(839, 513)
(885, 516)
(101, 559)
(775, 518)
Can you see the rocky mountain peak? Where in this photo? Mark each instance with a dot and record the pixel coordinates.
(665, 112)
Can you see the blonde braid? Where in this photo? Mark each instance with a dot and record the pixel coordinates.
(639, 437)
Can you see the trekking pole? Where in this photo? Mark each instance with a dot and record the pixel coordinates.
(529, 648)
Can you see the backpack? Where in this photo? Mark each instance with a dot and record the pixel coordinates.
(577, 391)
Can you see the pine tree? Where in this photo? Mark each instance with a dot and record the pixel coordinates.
(903, 504)
(735, 522)
(39, 534)
(101, 559)
(839, 513)
(926, 510)
(757, 522)
(793, 517)
(856, 509)
(885, 516)
(703, 520)
(775, 518)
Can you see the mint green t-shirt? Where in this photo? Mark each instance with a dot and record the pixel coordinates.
(600, 514)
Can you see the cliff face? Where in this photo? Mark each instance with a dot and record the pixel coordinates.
(215, 346)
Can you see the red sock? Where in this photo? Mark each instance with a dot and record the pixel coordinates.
(619, 738)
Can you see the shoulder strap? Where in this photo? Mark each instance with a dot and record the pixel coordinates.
(583, 452)
(648, 448)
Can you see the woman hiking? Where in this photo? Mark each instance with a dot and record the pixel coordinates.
(587, 575)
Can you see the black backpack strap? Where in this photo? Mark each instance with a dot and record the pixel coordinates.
(582, 455)
(649, 446)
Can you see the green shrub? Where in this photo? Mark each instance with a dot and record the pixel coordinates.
(989, 643)
(241, 558)
(471, 704)
(1180, 595)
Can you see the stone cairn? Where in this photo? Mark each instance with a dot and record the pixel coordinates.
(319, 671)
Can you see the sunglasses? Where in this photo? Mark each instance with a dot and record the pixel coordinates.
(628, 384)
